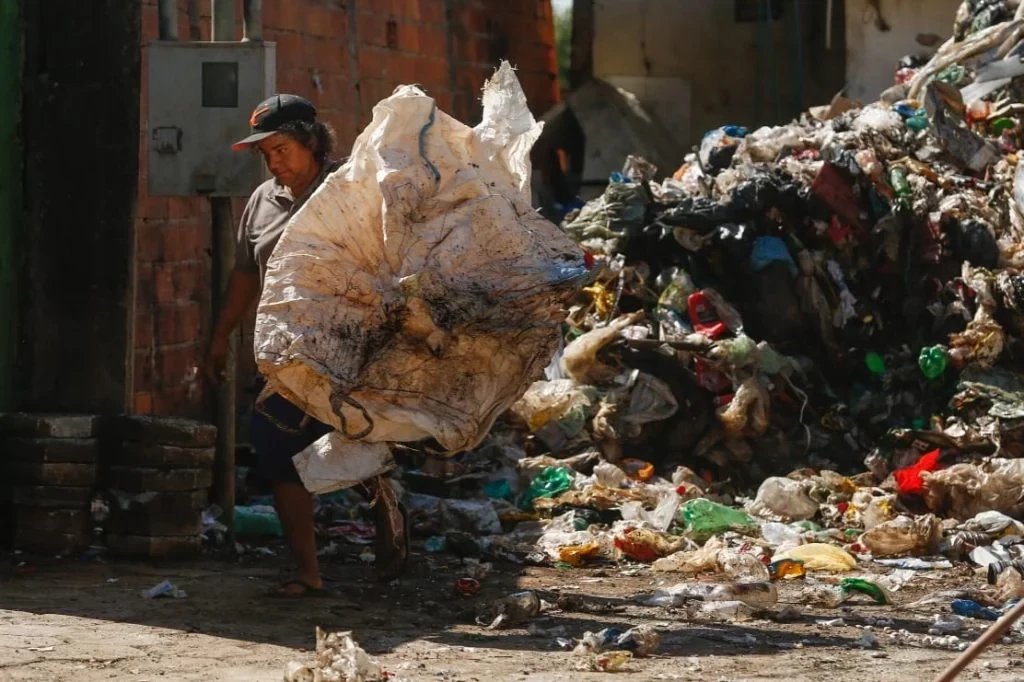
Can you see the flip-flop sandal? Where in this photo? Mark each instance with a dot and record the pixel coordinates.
(308, 591)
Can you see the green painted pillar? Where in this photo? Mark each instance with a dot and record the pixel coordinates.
(10, 192)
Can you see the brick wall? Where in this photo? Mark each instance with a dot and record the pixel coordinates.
(345, 56)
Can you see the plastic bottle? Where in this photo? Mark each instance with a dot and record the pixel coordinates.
(758, 594)
(703, 518)
(899, 183)
(704, 317)
(729, 610)
(972, 609)
(932, 361)
(514, 609)
(641, 641)
(850, 585)
(744, 566)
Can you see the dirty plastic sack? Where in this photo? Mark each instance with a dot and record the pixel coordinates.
(966, 490)
(783, 499)
(333, 463)
(817, 556)
(904, 535)
(417, 293)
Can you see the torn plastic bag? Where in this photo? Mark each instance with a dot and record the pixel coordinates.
(580, 360)
(417, 293)
(966, 490)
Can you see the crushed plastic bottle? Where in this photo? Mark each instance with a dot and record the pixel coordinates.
(735, 611)
(745, 566)
(972, 609)
(641, 641)
(704, 518)
(510, 611)
(873, 590)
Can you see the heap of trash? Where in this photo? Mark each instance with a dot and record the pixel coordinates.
(802, 353)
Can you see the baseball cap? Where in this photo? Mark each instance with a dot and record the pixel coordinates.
(270, 114)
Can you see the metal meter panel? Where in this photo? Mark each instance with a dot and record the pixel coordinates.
(200, 99)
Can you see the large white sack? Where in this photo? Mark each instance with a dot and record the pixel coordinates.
(417, 293)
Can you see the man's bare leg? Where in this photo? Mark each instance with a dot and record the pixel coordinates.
(294, 506)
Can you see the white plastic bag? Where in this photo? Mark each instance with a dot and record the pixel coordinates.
(417, 293)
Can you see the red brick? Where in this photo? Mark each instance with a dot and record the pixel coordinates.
(432, 73)
(143, 330)
(144, 379)
(371, 29)
(152, 207)
(177, 323)
(174, 365)
(185, 240)
(432, 11)
(372, 64)
(290, 50)
(403, 69)
(434, 43)
(142, 403)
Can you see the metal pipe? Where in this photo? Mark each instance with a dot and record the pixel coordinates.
(168, 19)
(223, 21)
(252, 20)
(223, 30)
(995, 631)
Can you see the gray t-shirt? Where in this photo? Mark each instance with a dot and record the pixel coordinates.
(269, 209)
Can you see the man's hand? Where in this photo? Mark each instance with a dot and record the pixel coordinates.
(216, 359)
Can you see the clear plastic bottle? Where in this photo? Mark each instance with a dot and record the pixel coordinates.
(744, 566)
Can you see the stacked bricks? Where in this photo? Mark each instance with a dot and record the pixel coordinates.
(51, 466)
(158, 473)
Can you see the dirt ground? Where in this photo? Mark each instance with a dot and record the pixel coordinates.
(67, 620)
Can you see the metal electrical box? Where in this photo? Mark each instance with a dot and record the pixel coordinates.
(200, 99)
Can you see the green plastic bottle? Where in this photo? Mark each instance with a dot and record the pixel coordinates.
(704, 518)
(899, 182)
(867, 587)
(932, 361)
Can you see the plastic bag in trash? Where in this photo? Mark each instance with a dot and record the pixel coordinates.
(417, 293)
(783, 499)
(966, 490)
(904, 535)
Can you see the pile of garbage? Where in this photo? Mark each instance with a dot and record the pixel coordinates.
(826, 313)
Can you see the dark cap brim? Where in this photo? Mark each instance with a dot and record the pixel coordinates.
(250, 141)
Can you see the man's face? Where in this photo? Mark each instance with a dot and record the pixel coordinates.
(286, 159)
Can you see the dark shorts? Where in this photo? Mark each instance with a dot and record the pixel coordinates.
(279, 430)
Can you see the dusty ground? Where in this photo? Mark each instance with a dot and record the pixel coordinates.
(87, 621)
